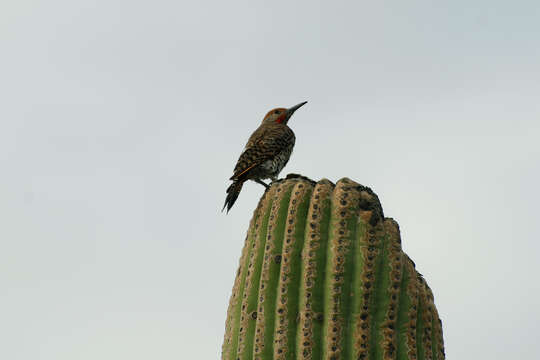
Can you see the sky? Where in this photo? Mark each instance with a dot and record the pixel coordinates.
(121, 122)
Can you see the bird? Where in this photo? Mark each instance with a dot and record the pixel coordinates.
(266, 153)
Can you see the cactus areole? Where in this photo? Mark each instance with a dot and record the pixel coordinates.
(322, 276)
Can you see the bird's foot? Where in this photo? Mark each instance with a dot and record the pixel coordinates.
(259, 181)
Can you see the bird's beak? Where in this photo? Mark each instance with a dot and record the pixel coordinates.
(291, 110)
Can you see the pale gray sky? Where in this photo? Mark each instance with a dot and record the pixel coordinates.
(122, 121)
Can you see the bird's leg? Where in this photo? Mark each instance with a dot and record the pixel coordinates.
(259, 181)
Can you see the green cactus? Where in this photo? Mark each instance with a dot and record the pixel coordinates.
(322, 276)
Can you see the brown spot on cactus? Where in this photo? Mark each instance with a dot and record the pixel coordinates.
(322, 276)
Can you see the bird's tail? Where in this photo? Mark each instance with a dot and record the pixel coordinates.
(232, 194)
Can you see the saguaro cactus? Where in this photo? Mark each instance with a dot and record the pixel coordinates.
(322, 276)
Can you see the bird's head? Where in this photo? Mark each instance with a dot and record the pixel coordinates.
(281, 115)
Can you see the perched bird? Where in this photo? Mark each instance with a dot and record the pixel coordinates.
(266, 153)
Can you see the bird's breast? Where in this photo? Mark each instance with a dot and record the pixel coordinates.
(273, 166)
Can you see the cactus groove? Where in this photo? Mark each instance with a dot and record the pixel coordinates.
(322, 276)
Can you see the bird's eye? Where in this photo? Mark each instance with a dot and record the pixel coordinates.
(276, 112)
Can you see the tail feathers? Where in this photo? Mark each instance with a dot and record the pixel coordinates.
(232, 194)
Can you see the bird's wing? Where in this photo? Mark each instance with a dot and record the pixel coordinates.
(263, 145)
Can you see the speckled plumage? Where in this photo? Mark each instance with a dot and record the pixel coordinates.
(266, 153)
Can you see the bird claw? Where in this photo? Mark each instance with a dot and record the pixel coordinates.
(258, 181)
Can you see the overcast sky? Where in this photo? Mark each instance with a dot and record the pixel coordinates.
(121, 122)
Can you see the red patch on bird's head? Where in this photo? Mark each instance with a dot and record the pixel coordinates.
(278, 115)
(281, 118)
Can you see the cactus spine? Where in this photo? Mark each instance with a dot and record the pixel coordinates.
(322, 276)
